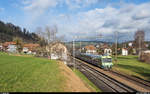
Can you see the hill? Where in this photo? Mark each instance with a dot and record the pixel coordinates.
(8, 32)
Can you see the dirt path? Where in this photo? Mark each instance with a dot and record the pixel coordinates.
(73, 82)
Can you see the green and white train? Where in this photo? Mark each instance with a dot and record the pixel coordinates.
(102, 61)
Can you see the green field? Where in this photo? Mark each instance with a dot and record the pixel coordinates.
(29, 74)
(130, 65)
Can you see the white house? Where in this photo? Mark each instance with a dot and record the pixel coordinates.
(90, 49)
(1, 47)
(12, 48)
(25, 49)
(29, 52)
(107, 51)
(97, 46)
(59, 51)
(124, 52)
(30, 48)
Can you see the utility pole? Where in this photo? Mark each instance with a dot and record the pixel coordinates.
(74, 55)
(125, 45)
(80, 46)
(139, 47)
(116, 35)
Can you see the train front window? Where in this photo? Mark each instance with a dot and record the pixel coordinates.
(107, 60)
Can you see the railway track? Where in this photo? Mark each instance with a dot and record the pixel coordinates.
(102, 81)
(140, 82)
(109, 84)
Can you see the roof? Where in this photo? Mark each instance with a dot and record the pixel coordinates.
(9, 43)
(31, 46)
(104, 46)
(124, 48)
(90, 47)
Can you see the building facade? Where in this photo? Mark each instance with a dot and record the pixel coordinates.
(90, 49)
(124, 52)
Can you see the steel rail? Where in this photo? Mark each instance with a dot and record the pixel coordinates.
(112, 84)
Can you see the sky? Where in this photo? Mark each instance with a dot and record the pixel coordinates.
(80, 17)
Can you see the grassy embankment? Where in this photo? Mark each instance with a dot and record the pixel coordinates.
(29, 74)
(85, 80)
(130, 65)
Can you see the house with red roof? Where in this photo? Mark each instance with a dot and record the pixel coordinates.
(10, 47)
(90, 49)
(30, 48)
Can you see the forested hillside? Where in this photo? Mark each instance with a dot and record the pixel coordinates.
(8, 32)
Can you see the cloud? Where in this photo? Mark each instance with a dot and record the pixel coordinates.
(35, 9)
(45, 4)
(2, 9)
(75, 4)
(143, 13)
(39, 5)
(126, 19)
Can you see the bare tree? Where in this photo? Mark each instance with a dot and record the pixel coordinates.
(41, 35)
(54, 32)
(50, 33)
(38, 31)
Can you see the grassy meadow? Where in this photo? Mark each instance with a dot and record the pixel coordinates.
(130, 65)
(29, 74)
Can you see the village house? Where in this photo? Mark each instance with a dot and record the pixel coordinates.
(59, 51)
(90, 49)
(30, 48)
(106, 49)
(10, 47)
(124, 51)
(1, 46)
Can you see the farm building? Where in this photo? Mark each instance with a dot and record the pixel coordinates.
(58, 51)
(10, 47)
(30, 48)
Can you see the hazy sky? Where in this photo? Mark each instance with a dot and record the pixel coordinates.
(79, 17)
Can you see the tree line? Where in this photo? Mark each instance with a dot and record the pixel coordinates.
(9, 31)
